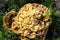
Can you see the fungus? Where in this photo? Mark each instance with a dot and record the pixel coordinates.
(31, 21)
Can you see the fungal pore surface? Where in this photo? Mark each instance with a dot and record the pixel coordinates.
(32, 20)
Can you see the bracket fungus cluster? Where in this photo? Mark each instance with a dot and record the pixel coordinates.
(31, 21)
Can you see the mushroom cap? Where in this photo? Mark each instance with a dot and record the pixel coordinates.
(32, 20)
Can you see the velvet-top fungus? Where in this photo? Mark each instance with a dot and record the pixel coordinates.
(32, 20)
